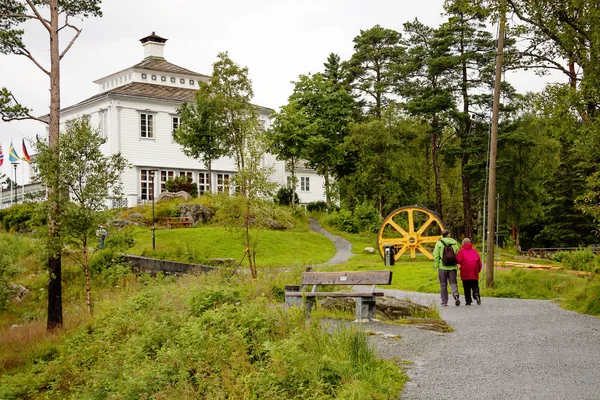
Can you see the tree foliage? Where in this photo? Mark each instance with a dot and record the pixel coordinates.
(93, 179)
(372, 69)
(202, 132)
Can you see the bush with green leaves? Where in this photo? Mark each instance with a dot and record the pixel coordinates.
(285, 196)
(19, 218)
(7, 272)
(182, 183)
(560, 256)
(367, 218)
(316, 206)
(583, 259)
(13, 248)
(342, 220)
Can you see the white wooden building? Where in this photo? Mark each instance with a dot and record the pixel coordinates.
(135, 109)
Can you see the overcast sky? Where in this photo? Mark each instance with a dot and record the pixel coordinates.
(276, 39)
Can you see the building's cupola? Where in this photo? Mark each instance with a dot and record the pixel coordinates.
(153, 46)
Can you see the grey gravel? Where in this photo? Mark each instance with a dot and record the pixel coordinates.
(504, 349)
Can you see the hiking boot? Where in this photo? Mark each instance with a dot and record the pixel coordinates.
(445, 304)
(467, 304)
(478, 298)
(456, 300)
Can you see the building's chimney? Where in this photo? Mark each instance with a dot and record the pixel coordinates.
(153, 46)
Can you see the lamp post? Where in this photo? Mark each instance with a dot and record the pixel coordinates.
(152, 172)
(15, 185)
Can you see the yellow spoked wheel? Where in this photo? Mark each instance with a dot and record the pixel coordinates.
(410, 228)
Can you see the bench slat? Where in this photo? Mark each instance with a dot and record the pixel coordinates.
(347, 278)
(333, 294)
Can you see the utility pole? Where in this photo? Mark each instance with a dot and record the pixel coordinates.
(491, 211)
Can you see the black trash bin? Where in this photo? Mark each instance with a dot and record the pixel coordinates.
(388, 254)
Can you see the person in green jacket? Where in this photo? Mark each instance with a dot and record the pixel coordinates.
(446, 271)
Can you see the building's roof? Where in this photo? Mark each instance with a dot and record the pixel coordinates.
(153, 38)
(162, 65)
(146, 91)
(149, 91)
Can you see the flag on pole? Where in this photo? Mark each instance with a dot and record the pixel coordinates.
(12, 154)
(1, 155)
(26, 156)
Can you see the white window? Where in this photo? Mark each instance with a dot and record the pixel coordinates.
(175, 121)
(223, 183)
(186, 173)
(304, 184)
(103, 123)
(164, 176)
(203, 183)
(147, 125)
(146, 184)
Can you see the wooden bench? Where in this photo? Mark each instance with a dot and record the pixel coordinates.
(174, 222)
(365, 300)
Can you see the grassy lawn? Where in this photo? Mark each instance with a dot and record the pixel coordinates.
(273, 248)
(417, 274)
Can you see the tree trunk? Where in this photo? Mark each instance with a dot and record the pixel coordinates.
(327, 184)
(253, 271)
(88, 285)
(466, 192)
(55, 314)
(210, 179)
(436, 173)
(293, 172)
(468, 124)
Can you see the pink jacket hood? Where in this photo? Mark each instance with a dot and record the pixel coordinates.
(469, 261)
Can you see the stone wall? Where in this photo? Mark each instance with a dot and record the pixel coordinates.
(146, 264)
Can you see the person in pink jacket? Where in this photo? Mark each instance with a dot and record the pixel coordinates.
(469, 265)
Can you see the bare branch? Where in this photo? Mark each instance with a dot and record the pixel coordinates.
(25, 118)
(14, 112)
(24, 52)
(22, 16)
(72, 40)
(39, 17)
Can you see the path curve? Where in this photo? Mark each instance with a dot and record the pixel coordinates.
(505, 349)
(342, 246)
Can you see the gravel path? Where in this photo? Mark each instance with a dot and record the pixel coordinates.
(505, 349)
(343, 247)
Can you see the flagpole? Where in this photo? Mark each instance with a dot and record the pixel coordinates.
(23, 184)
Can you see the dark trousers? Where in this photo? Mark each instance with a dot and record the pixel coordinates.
(471, 287)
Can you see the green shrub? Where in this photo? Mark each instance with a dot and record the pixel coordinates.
(367, 218)
(581, 260)
(120, 239)
(182, 183)
(316, 206)
(7, 272)
(561, 256)
(19, 218)
(110, 266)
(343, 220)
(285, 195)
